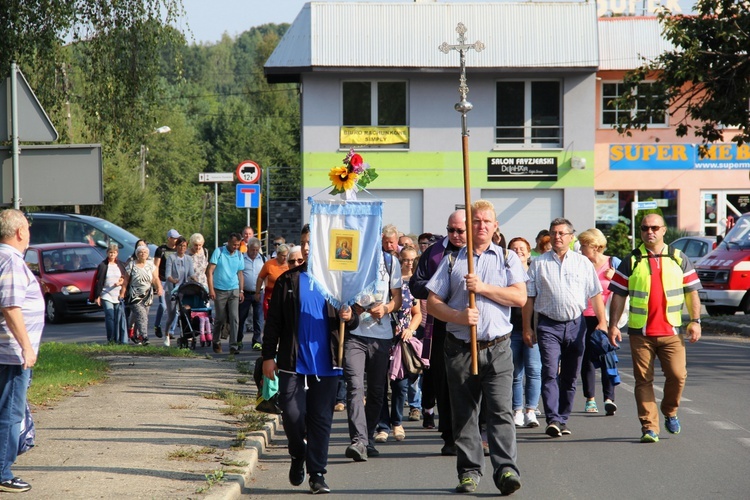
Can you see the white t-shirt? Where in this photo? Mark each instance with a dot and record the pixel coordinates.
(369, 326)
(110, 290)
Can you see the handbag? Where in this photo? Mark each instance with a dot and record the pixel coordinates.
(411, 362)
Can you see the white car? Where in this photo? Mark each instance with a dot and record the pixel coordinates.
(695, 247)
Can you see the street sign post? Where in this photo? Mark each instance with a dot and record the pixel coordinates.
(248, 195)
(248, 172)
(215, 178)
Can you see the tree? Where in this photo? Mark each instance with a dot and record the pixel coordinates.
(706, 76)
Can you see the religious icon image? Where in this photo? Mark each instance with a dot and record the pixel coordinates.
(343, 244)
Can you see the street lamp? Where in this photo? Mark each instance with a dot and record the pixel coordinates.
(161, 130)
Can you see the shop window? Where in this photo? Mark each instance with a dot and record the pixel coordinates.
(529, 113)
(645, 97)
(616, 206)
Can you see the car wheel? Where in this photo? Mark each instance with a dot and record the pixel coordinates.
(51, 311)
(720, 310)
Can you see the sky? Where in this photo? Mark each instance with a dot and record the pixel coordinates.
(209, 19)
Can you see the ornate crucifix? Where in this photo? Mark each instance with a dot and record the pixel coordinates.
(464, 107)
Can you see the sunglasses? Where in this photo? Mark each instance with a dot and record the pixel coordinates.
(298, 261)
(455, 230)
(652, 228)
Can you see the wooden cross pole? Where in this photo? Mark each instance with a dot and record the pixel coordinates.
(464, 107)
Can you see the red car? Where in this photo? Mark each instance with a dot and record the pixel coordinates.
(65, 272)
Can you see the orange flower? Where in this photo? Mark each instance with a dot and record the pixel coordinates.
(342, 179)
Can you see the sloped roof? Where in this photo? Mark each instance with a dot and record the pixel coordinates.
(348, 35)
(628, 42)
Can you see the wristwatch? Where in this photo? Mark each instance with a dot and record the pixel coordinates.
(696, 320)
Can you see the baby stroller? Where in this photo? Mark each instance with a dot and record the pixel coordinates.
(194, 313)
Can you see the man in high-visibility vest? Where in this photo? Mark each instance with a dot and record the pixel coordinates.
(659, 280)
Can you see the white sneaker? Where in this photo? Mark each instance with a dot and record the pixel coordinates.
(529, 419)
(518, 418)
(381, 437)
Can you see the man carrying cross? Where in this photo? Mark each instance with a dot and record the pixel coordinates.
(499, 284)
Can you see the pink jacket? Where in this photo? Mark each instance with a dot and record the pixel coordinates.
(396, 371)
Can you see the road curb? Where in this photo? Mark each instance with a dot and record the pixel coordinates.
(255, 445)
(720, 326)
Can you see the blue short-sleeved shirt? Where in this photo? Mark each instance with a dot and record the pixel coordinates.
(227, 267)
(313, 351)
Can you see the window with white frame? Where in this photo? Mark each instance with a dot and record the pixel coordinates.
(529, 113)
(374, 103)
(644, 93)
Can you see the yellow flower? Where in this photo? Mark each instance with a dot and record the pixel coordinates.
(342, 179)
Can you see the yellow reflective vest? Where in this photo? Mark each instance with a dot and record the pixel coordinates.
(639, 286)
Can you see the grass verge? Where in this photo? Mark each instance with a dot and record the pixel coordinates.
(65, 368)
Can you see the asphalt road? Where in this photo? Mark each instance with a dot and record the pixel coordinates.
(603, 458)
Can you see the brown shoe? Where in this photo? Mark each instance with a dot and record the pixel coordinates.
(339, 407)
(217, 348)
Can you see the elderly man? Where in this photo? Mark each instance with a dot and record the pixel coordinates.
(498, 281)
(253, 261)
(659, 281)
(560, 284)
(367, 350)
(434, 381)
(226, 289)
(21, 327)
(247, 234)
(160, 261)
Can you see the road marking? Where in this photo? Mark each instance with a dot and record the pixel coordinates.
(744, 441)
(723, 426)
(658, 389)
(725, 345)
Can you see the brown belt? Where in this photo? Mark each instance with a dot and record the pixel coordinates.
(481, 344)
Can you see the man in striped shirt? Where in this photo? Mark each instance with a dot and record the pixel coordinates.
(561, 282)
(659, 281)
(21, 327)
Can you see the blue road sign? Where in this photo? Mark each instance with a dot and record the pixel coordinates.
(248, 195)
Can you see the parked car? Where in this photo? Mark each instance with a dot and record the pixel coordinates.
(725, 272)
(65, 272)
(47, 227)
(695, 247)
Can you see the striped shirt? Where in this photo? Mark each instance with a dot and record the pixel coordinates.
(19, 288)
(490, 267)
(562, 289)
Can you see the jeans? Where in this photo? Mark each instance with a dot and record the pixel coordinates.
(492, 387)
(162, 306)
(365, 354)
(14, 384)
(561, 349)
(114, 322)
(251, 301)
(226, 306)
(341, 390)
(588, 372)
(415, 393)
(671, 353)
(394, 417)
(526, 362)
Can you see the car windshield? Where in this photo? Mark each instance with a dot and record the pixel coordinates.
(739, 236)
(67, 260)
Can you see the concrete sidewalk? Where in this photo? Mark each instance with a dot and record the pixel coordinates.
(113, 440)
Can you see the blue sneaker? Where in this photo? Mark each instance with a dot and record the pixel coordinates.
(672, 424)
(650, 437)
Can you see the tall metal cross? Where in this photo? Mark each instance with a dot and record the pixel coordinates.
(463, 106)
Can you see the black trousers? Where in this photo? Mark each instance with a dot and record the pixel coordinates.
(308, 415)
(435, 383)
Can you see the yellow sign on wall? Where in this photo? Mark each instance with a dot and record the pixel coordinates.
(374, 135)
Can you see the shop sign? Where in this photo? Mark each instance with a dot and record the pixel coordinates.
(372, 136)
(522, 169)
(679, 157)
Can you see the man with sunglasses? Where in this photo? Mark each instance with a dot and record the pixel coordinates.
(434, 380)
(659, 281)
(560, 284)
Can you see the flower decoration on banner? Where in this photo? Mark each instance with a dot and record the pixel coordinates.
(354, 173)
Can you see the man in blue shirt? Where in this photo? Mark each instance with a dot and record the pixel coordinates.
(499, 283)
(253, 262)
(226, 289)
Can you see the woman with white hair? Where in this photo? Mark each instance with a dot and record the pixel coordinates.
(198, 253)
(143, 277)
